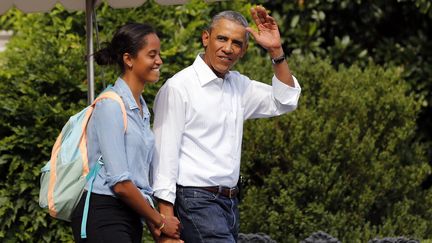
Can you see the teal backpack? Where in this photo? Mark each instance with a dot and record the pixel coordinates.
(67, 172)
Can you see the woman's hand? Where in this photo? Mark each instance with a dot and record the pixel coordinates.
(171, 227)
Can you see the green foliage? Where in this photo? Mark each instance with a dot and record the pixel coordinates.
(42, 77)
(346, 162)
(391, 33)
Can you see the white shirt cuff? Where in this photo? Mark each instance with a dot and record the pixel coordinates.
(284, 93)
(165, 195)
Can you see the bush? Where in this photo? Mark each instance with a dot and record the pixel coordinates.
(320, 237)
(391, 33)
(42, 78)
(346, 162)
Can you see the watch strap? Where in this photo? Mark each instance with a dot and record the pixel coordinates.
(278, 60)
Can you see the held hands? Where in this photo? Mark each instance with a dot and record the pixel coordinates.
(268, 35)
(168, 229)
(171, 227)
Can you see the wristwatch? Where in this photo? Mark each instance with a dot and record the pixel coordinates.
(278, 60)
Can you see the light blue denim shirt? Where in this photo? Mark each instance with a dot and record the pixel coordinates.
(125, 156)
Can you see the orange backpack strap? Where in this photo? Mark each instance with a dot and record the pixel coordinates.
(114, 96)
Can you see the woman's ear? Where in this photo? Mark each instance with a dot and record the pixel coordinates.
(127, 60)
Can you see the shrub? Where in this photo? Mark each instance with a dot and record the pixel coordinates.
(346, 162)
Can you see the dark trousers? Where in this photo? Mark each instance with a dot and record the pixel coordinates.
(206, 217)
(109, 220)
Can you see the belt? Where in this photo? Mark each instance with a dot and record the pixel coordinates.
(224, 191)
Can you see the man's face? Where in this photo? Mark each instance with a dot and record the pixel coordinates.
(224, 45)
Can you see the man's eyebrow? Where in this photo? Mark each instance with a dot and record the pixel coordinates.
(238, 42)
(221, 37)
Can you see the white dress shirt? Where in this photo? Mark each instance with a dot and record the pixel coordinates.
(198, 125)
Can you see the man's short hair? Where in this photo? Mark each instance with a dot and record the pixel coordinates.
(232, 16)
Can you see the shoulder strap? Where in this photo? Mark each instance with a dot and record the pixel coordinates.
(109, 94)
(92, 174)
(90, 177)
(114, 96)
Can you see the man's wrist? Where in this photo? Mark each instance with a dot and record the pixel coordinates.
(278, 60)
(165, 207)
(275, 52)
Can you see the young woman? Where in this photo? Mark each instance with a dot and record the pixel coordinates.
(121, 195)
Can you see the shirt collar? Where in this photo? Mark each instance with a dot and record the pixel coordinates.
(124, 91)
(203, 71)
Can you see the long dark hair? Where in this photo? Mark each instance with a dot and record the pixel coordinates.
(129, 38)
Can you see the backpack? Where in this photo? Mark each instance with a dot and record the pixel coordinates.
(64, 176)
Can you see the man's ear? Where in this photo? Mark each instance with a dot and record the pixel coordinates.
(205, 38)
(244, 50)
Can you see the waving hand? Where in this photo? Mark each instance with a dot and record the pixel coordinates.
(268, 35)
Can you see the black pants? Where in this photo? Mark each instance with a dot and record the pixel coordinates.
(109, 220)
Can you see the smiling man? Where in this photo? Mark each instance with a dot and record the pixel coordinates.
(199, 115)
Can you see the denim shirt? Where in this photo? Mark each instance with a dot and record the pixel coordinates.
(125, 156)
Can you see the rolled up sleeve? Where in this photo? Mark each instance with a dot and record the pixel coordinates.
(262, 100)
(168, 127)
(110, 134)
(286, 94)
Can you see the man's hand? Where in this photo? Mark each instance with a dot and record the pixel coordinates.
(268, 35)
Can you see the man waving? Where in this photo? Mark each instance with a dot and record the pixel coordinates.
(199, 116)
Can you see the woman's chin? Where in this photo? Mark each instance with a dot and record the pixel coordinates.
(152, 81)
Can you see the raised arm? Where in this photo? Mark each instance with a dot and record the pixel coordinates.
(268, 37)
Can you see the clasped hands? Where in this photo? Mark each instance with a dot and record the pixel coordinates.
(169, 232)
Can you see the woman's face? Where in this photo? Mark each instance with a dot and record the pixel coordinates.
(147, 62)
